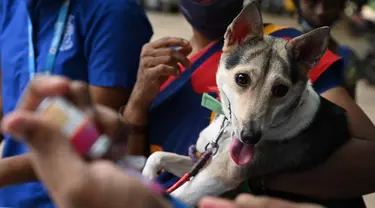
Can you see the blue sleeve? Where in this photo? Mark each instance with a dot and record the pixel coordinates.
(331, 78)
(117, 31)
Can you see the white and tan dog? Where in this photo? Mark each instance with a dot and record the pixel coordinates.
(277, 122)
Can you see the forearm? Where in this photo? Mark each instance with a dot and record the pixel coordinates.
(16, 170)
(349, 172)
(136, 114)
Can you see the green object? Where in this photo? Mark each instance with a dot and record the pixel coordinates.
(371, 4)
(211, 103)
(246, 187)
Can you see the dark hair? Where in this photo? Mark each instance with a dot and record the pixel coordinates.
(210, 17)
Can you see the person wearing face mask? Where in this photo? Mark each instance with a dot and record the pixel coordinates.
(174, 73)
(314, 14)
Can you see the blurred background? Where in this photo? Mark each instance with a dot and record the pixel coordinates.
(354, 29)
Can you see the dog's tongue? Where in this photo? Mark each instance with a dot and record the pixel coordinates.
(241, 153)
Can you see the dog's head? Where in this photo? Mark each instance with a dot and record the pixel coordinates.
(262, 78)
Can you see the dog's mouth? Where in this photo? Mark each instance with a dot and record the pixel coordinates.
(241, 153)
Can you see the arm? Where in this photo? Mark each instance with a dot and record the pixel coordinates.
(350, 171)
(112, 51)
(112, 47)
(158, 62)
(71, 181)
(16, 170)
(136, 113)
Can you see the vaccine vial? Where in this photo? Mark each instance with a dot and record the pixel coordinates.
(87, 140)
(75, 125)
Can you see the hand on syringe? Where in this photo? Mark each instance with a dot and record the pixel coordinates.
(72, 181)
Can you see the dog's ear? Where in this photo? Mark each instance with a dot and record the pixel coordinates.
(247, 25)
(308, 48)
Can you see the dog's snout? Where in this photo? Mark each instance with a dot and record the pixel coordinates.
(251, 137)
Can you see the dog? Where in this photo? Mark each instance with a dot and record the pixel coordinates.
(275, 121)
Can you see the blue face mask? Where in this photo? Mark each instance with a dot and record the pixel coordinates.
(212, 18)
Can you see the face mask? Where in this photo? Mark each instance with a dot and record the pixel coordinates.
(212, 17)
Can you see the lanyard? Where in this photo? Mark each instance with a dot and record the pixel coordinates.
(55, 44)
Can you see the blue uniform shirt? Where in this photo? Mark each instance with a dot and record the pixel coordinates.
(101, 45)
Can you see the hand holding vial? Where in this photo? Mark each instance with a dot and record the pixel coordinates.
(57, 160)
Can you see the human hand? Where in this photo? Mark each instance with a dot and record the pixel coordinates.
(249, 201)
(72, 181)
(158, 62)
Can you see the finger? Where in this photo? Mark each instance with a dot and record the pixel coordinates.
(247, 200)
(35, 130)
(165, 70)
(167, 59)
(113, 126)
(79, 94)
(107, 185)
(155, 61)
(162, 62)
(41, 87)
(174, 54)
(169, 42)
(185, 50)
(211, 202)
(54, 159)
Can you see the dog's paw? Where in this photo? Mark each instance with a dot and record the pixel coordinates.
(149, 173)
(153, 165)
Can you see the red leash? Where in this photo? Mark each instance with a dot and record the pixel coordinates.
(210, 150)
(193, 172)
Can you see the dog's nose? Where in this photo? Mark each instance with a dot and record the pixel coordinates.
(252, 137)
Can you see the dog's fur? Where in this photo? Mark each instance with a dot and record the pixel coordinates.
(294, 131)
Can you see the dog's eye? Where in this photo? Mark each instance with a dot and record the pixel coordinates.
(242, 79)
(280, 90)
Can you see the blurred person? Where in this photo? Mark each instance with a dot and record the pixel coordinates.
(73, 182)
(314, 14)
(171, 108)
(97, 41)
(368, 72)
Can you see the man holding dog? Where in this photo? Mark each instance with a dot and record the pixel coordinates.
(73, 182)
(178, 105)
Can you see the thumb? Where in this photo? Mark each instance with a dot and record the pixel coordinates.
(54, 159)
(248, 200)
(41, 136)
(211, 202)
(186, 50)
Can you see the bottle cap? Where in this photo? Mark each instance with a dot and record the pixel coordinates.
(100, 147)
